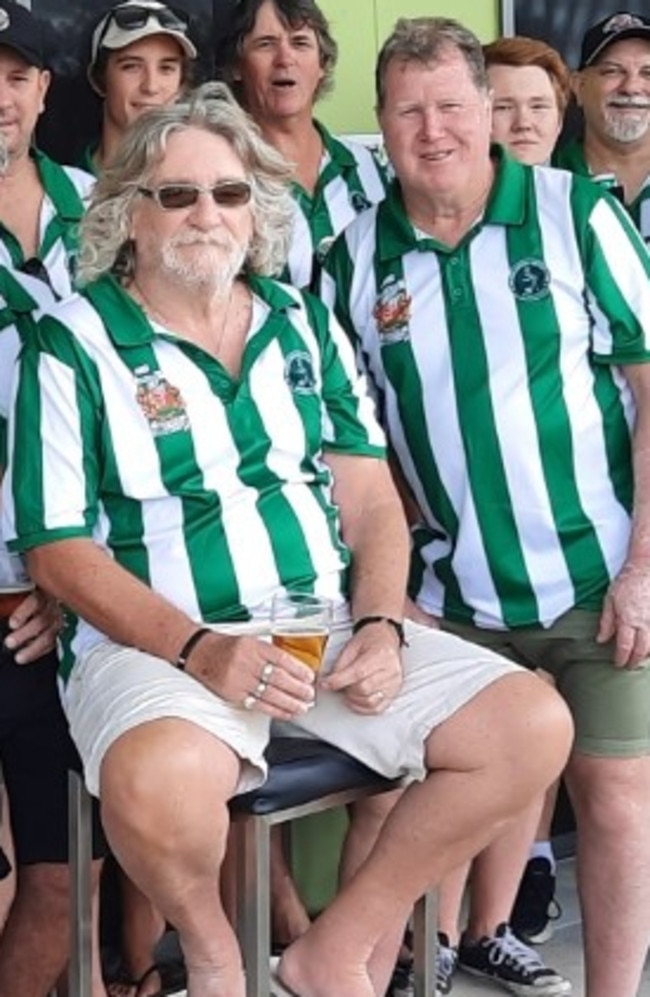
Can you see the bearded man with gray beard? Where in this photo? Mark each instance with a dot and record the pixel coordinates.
(612, 87)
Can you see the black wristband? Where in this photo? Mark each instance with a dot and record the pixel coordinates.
(189, 645)
(395, 624)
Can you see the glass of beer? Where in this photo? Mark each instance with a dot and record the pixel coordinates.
(300, 625)
(15, 583)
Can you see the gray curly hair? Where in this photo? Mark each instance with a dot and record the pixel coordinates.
(105, 244)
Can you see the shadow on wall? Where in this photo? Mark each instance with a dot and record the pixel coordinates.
(72, 116)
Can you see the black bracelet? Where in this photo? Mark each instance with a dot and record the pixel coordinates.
(395, 624)
(189, 645)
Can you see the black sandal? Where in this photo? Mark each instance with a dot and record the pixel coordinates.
(173, 978)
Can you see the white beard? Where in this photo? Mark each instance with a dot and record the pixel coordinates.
(215, 268)
(625, 127)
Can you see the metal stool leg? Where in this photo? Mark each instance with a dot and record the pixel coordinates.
(254, 916)
(424, 945)
(80, 848)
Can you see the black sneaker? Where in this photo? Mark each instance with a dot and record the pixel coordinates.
(402, 983)
(536, 907)
(506, 960)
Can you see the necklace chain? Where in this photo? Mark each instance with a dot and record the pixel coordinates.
(158, 316)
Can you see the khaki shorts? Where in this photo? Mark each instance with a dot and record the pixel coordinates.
(610, 706)
(113, 689)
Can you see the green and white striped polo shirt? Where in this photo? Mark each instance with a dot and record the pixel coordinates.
(67, 190)
(571, 156)
(22, 298)
(495, 365)
(350, 180)
(211, 490)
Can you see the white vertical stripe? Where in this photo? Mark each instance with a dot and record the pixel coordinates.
(61, 445)
(590, 465)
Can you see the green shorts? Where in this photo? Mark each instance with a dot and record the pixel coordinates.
(610, 706)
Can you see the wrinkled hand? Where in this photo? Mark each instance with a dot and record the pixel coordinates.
(34, 627)
(252, 673)
(626, 616)
(369, 669)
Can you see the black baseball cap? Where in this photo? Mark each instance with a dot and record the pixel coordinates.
(613, 28)
(22, 32)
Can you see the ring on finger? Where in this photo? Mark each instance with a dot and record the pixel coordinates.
(260, 689)
(249, 702)
(267, 671)
(379, 695)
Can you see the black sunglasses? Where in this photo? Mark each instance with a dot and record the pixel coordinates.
(176, 196)
(133, 17)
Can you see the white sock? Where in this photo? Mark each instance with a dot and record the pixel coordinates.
(543, 850)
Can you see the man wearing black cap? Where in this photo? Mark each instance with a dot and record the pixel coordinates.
(141, 57)
(612, 86)
(41, 202)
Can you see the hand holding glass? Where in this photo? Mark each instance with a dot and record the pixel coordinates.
(300, 625)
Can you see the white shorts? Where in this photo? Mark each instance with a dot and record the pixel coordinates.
(113, 689)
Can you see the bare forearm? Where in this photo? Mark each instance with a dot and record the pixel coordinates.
(115, 602)
(374, 527)
(639, 545)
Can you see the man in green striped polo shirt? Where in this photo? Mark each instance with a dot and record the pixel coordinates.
(200, 440)
(502, 313)
(41, 202)
(612, 88)
(279, 58)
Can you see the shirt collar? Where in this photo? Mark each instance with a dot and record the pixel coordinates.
(506, 205)
(127, 324)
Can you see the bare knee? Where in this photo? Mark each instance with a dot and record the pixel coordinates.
(609, 794)
(518, 728)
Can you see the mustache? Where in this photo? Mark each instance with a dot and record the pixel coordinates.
(203, 238)
(643, 103)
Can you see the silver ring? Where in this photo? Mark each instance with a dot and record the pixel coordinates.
(260, 690)
(379, 695)
(267, 671)
(249, 702)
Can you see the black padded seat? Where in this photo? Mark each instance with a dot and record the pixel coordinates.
(302, 769)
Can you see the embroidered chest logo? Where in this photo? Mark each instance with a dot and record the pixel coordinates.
(529, 280)
(324, 246)
(299, 373)
(359, 201)
(161, 403)
(392, 311)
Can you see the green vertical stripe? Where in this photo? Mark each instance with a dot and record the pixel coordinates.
(542, 341)
(484, 461)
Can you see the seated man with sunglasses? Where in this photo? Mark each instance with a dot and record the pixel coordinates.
(141, 57)
(204, 442)
(41, 202)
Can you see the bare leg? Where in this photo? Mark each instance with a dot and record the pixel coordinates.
(496, 874)
(450, 899)
(164, 791)
(611, 798)
(35, 941)
(481, 775)
(142, 927)
(7, 885)
(288, 915)
(368, 817)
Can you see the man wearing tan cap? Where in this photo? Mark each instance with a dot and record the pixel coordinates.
(141, 57)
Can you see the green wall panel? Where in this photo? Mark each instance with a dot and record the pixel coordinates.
(360, 28)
